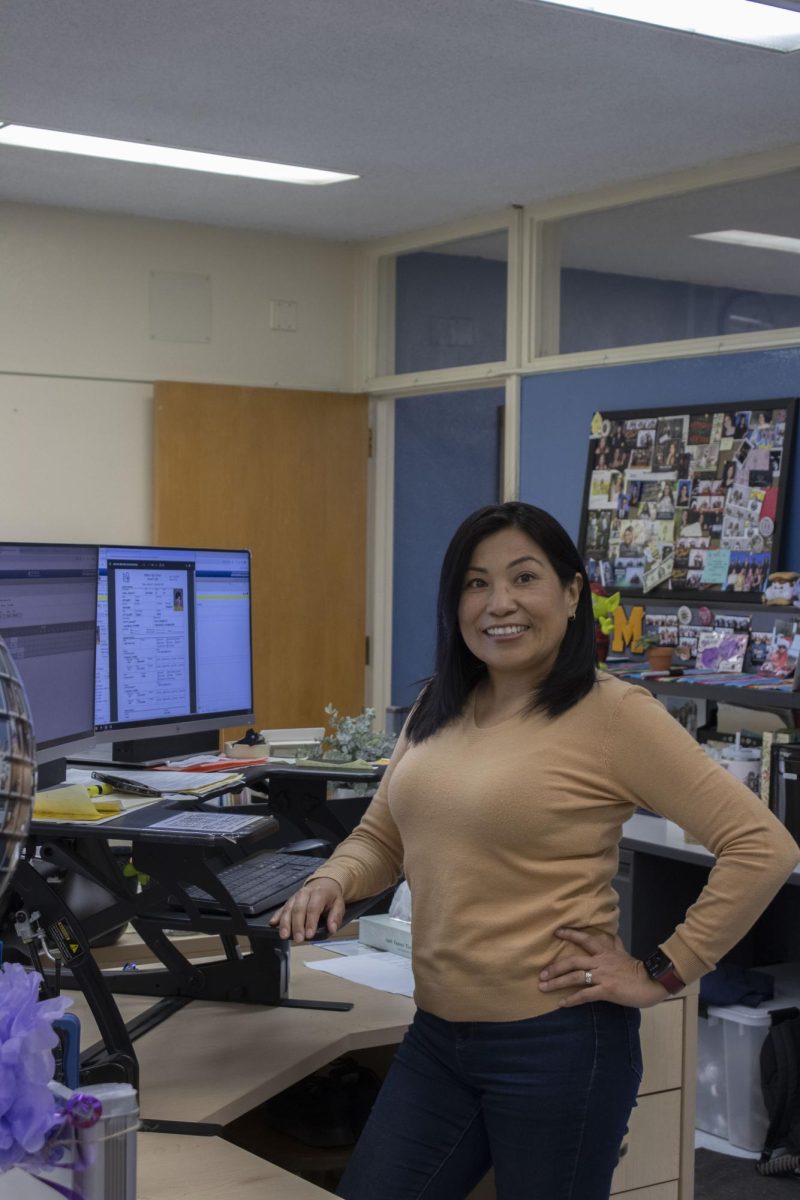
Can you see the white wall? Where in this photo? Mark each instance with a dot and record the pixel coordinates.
(77, 359)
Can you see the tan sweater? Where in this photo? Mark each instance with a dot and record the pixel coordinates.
(506, 834)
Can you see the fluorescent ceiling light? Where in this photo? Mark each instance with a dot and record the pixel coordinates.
(729, 20)
(162, 156)
(744, 237)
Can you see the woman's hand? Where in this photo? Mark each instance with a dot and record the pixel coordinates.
(301, 913)
(616, 976)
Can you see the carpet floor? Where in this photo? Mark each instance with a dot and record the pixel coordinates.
(720, 1177)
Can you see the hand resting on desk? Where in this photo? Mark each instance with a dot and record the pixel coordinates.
(301, 913)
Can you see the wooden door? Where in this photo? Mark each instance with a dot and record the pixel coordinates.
(283, 474)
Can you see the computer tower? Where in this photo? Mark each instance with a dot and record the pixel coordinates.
(784, 793)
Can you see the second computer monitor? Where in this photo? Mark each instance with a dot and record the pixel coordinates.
(47, 620)
(174, 651)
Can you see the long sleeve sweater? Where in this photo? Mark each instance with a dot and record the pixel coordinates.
(508, 833)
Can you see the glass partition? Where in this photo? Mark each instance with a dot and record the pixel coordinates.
(719, 261)
(444, 305)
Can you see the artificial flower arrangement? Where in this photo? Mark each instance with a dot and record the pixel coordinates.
(38, 1130)
(353, 738)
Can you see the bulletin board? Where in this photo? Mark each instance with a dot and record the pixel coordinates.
(687, 501)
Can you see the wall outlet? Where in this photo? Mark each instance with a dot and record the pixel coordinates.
(283, 316)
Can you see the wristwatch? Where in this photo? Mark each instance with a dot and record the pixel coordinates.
(661, 969)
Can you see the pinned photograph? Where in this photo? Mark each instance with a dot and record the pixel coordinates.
(597, 527)
(760, 644)
(684, 492)
(742, 420)
(729, 471)
(599, 489)
(728, 425)
(699, 428)
(705, 457)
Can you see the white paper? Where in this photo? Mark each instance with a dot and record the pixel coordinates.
(380, 969)
(345, 946)
(197, 822)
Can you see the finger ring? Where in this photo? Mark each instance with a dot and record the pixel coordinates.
(587, 978)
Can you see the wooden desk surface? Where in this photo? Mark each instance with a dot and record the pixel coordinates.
(213, 1062)
(174, 1167)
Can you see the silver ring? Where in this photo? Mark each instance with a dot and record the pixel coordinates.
(587, 978)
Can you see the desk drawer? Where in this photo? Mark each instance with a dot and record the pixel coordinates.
(661, 1191)
(662, 1046)
(654, 1143)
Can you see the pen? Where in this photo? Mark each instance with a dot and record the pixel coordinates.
(99, 789)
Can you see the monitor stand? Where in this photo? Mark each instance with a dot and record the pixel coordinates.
(49, 775)
(162, 749)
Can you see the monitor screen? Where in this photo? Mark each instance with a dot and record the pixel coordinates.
(173, 641)
(47, 620)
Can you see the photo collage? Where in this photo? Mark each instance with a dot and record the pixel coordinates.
(728, 643)
(684, 502)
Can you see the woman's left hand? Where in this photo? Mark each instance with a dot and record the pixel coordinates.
(615, 976)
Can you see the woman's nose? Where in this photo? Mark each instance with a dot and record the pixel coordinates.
(501, 600)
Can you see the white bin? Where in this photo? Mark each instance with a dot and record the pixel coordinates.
(729, 1100)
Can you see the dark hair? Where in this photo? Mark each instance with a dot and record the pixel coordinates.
(457, 669)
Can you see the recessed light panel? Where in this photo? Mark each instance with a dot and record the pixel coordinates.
(746, 237)
(163, 156)
(744, 21)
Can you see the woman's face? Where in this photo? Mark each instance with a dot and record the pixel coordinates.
(514, 609)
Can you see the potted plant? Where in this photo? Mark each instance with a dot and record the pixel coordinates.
(659, 657)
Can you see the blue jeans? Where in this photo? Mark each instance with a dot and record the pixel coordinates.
(546, 1101)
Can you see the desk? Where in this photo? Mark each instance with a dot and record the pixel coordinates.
(661, 874)
(214, 1062)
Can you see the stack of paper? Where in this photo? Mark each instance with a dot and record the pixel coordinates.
(75, 803)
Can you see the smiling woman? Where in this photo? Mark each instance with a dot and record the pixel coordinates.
(513, 615)
(503, 805)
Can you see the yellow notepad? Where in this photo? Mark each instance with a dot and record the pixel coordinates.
(75, 803)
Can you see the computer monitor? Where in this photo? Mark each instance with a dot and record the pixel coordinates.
(174, 646)
(47, 620)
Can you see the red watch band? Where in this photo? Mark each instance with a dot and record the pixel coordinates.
(661, 969)
(672, 981)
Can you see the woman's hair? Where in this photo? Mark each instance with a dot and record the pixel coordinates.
(457, 669)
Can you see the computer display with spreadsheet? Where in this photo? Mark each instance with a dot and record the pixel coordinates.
(174, 650)
(47, 620)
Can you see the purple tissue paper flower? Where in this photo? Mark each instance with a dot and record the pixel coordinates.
(28, 1108)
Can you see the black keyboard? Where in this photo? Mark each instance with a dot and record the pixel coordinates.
(260, 882)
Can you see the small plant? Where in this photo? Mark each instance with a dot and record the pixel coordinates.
(354, 737)
(646, 642)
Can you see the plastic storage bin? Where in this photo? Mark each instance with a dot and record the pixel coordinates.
(729, 1100)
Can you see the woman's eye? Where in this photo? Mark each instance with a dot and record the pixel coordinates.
(526, 577)
(474, 583)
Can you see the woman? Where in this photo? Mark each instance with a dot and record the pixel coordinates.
(503, 803)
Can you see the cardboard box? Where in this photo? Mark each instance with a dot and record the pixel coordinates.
(386, 933)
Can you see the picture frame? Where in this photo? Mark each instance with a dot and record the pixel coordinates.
(687, 502)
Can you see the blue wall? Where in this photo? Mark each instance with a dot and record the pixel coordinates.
(450, 311)
(557, 410)
(447, 464)
(600, 310)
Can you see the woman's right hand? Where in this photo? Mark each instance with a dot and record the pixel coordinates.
(301, 913)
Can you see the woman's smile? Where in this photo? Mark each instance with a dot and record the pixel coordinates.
(506, 633)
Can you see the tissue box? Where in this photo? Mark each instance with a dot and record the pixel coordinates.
(386, 933)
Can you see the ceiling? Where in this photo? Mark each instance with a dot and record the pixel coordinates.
(445, 108)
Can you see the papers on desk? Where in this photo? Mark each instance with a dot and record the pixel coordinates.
(379, 969)
(201, 822)
(157, 782)
(75, 802)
